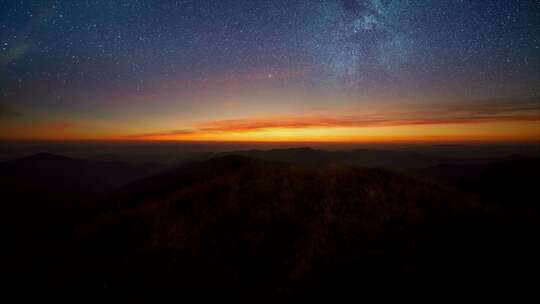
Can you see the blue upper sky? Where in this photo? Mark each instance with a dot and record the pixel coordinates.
(53, 53)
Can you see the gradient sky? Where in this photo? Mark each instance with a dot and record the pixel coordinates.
(274, 70)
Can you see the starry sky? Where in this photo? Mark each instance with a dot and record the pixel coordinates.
(270, 70)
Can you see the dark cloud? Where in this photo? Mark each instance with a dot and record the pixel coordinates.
(7, 112)
(59, 125)
(165, 133)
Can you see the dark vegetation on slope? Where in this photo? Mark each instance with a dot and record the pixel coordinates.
(511, 183)
(44, 196)
(282, 228)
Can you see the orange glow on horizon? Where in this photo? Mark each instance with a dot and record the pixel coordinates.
(481, 132)
(493, 123)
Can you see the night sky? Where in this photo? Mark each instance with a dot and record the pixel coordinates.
(275, 70)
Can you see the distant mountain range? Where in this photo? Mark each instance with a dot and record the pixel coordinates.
(370, 158)
(62, 180)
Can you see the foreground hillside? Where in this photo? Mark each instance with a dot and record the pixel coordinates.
(43, 197)
(258, 226)
(242, 223)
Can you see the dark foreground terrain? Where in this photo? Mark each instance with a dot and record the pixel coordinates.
(264, 226)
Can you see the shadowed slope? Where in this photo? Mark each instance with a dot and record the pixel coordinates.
(43, 197)
(264, 228)
(511, 182)
(239, 222)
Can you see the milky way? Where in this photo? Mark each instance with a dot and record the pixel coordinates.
(435, 43)
(79, 57)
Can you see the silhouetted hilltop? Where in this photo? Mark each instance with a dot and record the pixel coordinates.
(47, 185)
(46, 167)
(184, 175)
(370, 158)
(51, 177)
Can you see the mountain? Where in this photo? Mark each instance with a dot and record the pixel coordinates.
(271, 227)
(59, 180)
(43, 166)
(509, 182)
(48, 184)
(44, 196)
(371, 158)
(268, 228)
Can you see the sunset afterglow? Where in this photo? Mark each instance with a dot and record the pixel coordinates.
(332, 70)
